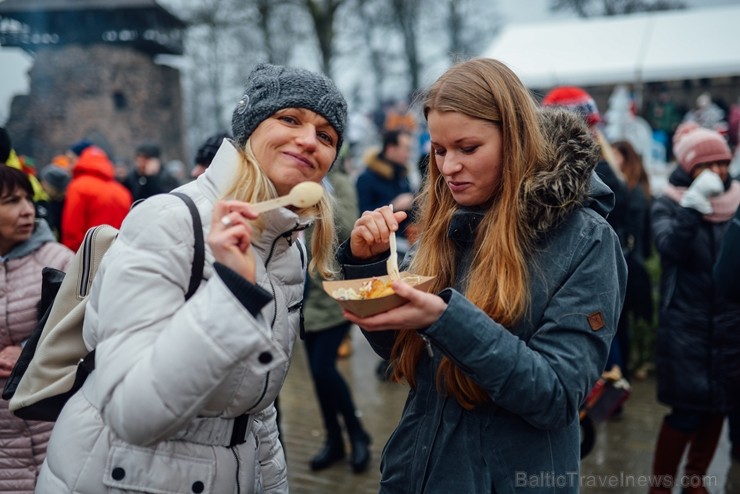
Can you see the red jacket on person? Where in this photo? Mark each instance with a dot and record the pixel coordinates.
(94, 197)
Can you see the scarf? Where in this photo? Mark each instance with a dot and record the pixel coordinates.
(723, 206)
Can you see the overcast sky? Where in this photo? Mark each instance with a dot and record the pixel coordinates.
(15, 63)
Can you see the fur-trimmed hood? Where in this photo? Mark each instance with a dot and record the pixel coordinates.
(566, 180)
(376, 161)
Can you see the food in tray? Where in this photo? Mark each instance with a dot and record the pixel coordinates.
(373, 288)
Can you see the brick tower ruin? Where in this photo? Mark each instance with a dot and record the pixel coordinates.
(94, 76)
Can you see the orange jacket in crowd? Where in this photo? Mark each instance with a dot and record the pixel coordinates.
(94, 197)
(400, 121)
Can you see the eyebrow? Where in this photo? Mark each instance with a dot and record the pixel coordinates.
(456, 141)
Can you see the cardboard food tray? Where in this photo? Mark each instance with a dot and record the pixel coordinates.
(372, 306)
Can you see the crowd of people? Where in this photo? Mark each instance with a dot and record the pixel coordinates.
(538, 232)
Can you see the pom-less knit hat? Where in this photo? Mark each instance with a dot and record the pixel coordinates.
(693, 145)
(56, 177)
(575, 99)
(208, 149)
(80, 146)
(271, 88)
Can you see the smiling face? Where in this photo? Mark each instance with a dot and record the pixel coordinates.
(468, 155)
(17, 216)
(294, 145)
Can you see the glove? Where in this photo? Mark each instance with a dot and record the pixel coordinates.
(705, 186)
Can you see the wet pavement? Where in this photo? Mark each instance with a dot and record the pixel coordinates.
(620, 461)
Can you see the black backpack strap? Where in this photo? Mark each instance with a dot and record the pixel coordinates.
(199, 257)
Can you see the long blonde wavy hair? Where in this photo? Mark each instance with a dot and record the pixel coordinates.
(497, 283)
(252, 185)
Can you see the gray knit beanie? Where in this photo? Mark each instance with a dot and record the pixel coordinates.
(271, 88)
(57, 177)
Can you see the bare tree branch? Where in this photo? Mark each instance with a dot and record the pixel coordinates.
(407, 14)
(323, 14)
(590, 8)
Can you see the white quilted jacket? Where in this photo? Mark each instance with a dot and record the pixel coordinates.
(155, 415)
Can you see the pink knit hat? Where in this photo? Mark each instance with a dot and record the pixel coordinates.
(695, 145)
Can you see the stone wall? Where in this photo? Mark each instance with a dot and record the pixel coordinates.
(116, 97)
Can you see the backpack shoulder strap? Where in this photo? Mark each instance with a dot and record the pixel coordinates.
(199, 257)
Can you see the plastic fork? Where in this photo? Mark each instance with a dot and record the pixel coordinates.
(391, 265)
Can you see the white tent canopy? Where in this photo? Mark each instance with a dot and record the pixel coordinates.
(660, 46)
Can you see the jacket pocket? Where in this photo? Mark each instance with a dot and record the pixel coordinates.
(132, 469)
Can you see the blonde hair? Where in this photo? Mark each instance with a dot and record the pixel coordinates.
(498, 280)
(252, 185)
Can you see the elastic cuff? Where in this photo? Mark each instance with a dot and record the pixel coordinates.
(445, 295)
(251, 296)
(344, 256)
(353, 268)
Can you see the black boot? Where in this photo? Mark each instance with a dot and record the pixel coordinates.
(360, 457)
(332, 452)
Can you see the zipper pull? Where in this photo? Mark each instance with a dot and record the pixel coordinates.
(428, 345)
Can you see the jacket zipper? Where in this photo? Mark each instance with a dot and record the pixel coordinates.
(272, 326)
(274, 312)
(86, 255)
(438, 417)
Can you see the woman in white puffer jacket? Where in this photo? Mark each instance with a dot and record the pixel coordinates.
(181, 399)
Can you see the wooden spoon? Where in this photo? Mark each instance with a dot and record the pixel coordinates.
(302, 195)
(391, 264)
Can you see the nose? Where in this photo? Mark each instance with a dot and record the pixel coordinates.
(450, 164)
(28, 208)
(307, 137)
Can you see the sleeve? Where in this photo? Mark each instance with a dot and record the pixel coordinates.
(727, 268)
(251, 296)
(161, 359)
(546, 378)
(674, 229)
(353, 268)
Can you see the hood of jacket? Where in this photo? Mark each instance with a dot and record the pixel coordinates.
(94, 161)
(377, 162)
(41, 235)
(566, 180)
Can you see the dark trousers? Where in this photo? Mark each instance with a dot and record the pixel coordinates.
(687, 421)
(332, 391)
(619, 353)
